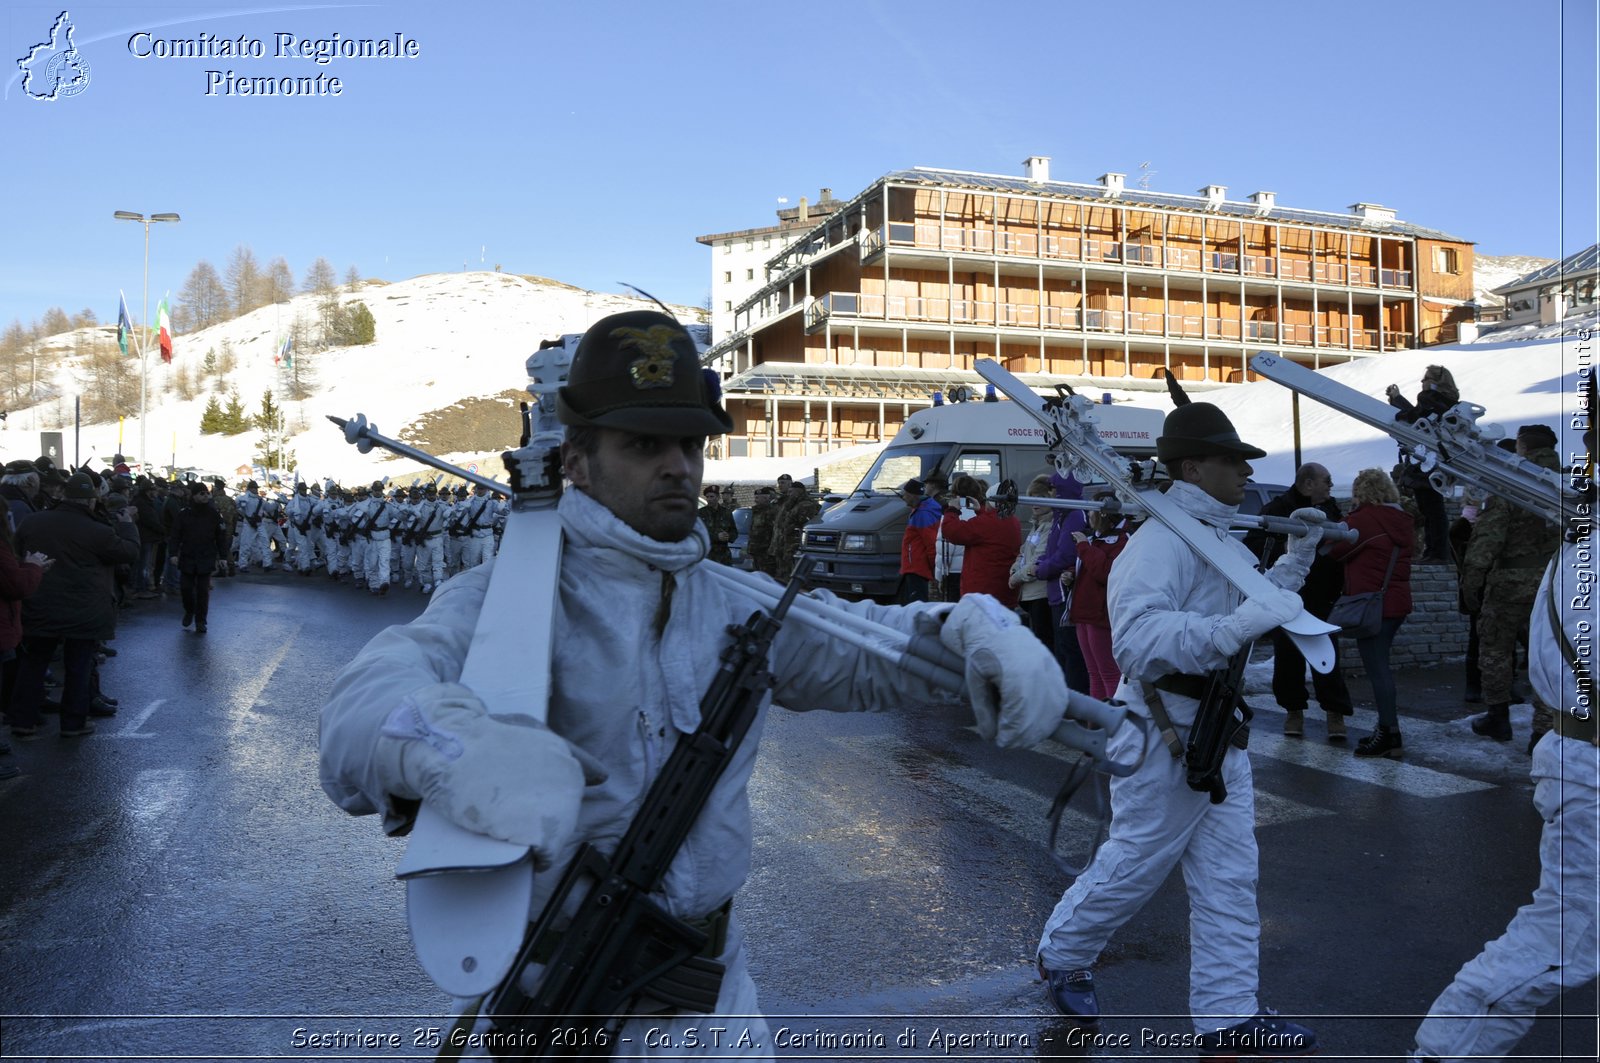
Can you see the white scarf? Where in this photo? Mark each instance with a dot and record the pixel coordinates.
(603, 546)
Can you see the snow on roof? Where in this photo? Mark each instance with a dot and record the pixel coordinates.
(1580, 262)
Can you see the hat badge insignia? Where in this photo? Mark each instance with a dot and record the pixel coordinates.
(654, 368)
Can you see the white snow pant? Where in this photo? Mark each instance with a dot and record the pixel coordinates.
(430, 561)
(377, 559)
(1552, 942)
(273, 534)
(317, 551)
(260, 546)
(1157, 822)
(476, 549)
(736, 1031)
(408, 564)
(301, 547)
(452, 553)
(358, 557)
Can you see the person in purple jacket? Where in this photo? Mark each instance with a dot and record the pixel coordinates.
(1058, 566)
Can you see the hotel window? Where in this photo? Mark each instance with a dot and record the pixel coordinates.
(766, 241)
(727, 247)
(1445, 260)
(728, 305)
(749, 274)
(727, 276)
(750, 244)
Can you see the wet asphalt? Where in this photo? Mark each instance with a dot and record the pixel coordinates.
(178, 884)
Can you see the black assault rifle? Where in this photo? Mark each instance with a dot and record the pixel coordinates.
(602, 943)
(1221, 720)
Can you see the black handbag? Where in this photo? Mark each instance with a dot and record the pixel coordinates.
(1360, 616)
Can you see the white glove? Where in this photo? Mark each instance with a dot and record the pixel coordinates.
(1304, 547)
(1255, 616)
(509, 777)
(1017, 691)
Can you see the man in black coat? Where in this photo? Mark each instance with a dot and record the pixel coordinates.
(75, 603)
(199, 540)
(1313, 487)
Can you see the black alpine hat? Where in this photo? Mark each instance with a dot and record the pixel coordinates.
(640, 371)
(1200, 430)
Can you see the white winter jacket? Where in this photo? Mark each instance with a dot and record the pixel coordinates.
(1165, 602)
(621, 691)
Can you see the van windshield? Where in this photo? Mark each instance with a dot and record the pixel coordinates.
(896, 465)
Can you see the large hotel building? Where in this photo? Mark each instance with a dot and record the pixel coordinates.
(891, 296)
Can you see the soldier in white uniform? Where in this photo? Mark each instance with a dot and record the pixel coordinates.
(637, 612)
(477, 546)
(252, 535)
(299, 515)
(455, 534)
(429, 533)
(1553, 942)
(376, 526)
(357, 533)
(271, 516)
(318, 534)
(1176, 619)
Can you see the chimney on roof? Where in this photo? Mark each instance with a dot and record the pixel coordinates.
(1037, 167)
(1215, 195)
(1113, 183)
(1264, 201)
(1372, 213)
(826, 197)
(805, 211)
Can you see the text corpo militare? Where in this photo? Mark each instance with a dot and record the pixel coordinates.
(319, 51)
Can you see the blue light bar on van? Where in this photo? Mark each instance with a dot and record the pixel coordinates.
(938, 398)
(1105, 397)
(989, 395)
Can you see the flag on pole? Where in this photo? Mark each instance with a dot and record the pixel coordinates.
(164, 323)
(288, 352)
(124, 326)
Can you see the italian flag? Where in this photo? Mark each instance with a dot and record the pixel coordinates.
(164, 323)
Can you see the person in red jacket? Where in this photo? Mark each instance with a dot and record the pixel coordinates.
(1088, 613)
(991, 543)
(1385, 530)
(917, 542)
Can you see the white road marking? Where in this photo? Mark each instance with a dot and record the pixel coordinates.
(136, 729)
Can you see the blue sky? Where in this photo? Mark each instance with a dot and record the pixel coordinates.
(593, 142)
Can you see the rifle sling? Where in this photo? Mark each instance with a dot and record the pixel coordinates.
(1189, 686)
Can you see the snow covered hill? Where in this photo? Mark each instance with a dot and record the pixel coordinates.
(441, 338)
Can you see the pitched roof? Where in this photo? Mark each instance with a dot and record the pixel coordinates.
(1578, 263)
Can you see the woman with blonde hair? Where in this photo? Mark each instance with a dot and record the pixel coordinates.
(1438, 394)
(1382, 550)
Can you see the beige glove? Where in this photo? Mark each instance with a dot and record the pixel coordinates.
(509, 777)
(1017, 690)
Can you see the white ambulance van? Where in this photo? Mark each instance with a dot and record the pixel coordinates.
(858, 538)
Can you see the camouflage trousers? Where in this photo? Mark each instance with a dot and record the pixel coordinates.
(1502, 624)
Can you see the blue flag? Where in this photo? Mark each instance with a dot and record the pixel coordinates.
(124, 326)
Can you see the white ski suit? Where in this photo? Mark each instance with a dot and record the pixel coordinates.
(1553, 942)
(1165, 604)
(622, 692)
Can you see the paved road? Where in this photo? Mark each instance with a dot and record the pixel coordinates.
(178, 884)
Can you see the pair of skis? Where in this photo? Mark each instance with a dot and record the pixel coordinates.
(1075, 445)
(466, 893)
(1450, 447)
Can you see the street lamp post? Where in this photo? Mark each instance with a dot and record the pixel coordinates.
(128, 215)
